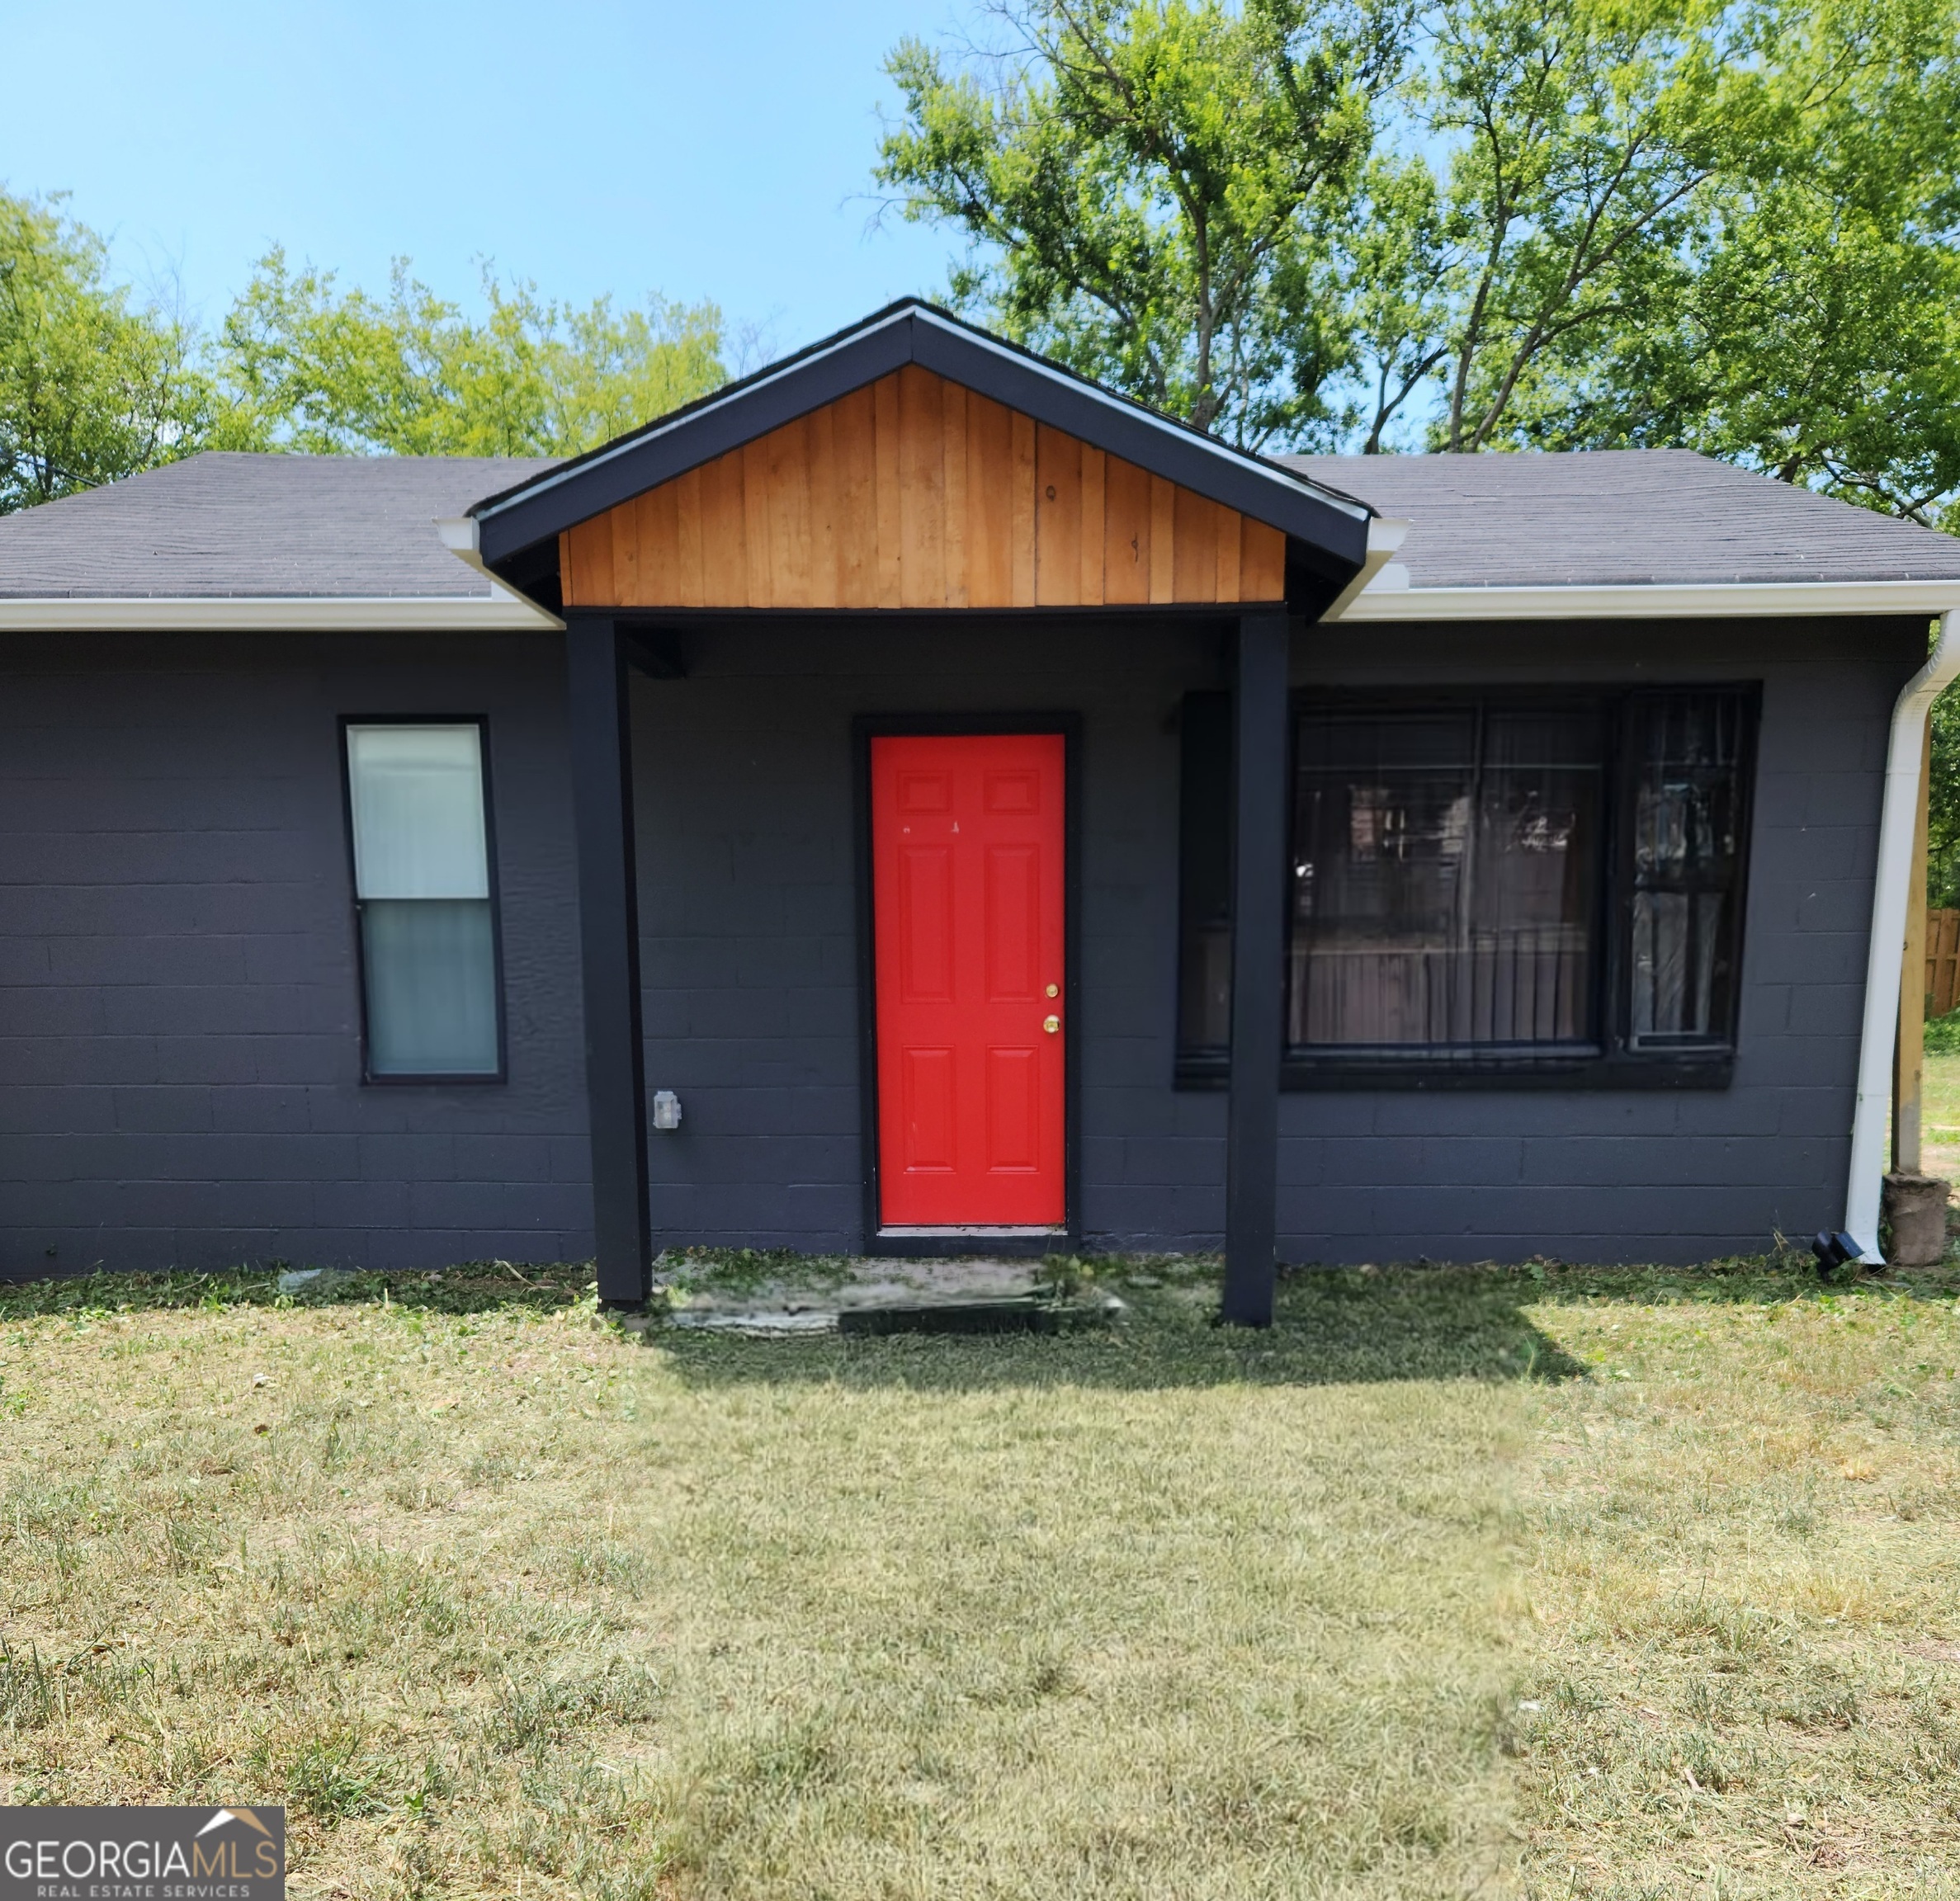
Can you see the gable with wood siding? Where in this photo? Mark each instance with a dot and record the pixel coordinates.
(916, 492)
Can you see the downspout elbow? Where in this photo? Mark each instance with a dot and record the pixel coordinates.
(1891, 896)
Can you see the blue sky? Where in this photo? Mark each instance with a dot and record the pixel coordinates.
(700, 150)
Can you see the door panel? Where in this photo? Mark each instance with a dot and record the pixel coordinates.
(1014, 1111)
(1013, 923)
(967, 875)
(927, 1100)
(925, 924)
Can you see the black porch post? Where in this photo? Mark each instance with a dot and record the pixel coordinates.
(609, 944)
(1259, 922)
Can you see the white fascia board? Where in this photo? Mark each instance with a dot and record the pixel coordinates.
(500, 612)
(1385, 536)
(458, 535)
(1386, 600)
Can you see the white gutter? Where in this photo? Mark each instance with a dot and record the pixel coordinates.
(1892, 895)
(502, 612)
(459, 535)
(502, 609)
(1389, 597)
(1385, 536)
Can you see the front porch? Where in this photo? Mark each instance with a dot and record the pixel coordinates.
(917, 530)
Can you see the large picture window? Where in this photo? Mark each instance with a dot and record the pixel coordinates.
(421, 887)
(1486, 881)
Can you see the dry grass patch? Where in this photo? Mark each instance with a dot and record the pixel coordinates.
(497, 1601)
(1743, 1678)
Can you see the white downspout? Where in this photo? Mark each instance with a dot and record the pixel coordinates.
(1898, 820)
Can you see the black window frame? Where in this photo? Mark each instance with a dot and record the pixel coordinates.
(1623, 883)
(1614, 1061)
(419, 1078)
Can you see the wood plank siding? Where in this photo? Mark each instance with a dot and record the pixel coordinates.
(917, 493)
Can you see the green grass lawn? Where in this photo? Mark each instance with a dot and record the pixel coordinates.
(1940, 1111)
(1740, 1670)
(1633, 1584)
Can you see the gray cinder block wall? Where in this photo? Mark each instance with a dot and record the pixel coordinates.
(749, 922)
(749, 949)
(179, 1049)
(179, 1025)
(1669, 1175)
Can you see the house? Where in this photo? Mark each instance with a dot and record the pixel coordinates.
(913, 800)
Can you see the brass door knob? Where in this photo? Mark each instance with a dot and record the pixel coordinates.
(1054, 990)
(1051, 1024)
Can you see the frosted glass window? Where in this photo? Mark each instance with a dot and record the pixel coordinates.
(432, 987)
(421, 886)
(419, 811)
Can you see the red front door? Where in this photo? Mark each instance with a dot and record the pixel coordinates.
(966, 870)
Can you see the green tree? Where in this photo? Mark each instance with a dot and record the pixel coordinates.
(1642, 221)
(1942, 804)
(1186, 200)
(1486, 223)
(1581, 133)
(93, 385)
(308, 366)
(1400, 266)
(1148, 187)
(1813, 327)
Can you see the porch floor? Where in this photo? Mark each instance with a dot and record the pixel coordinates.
(806, 1296)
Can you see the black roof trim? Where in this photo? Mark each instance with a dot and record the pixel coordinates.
(1332, 526)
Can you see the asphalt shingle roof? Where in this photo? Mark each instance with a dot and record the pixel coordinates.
(321, 527)
(1623, 517)
(265, 526)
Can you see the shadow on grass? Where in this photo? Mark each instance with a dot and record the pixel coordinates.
(474, 1287)
(1749, 1280)
(1333, 1325)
